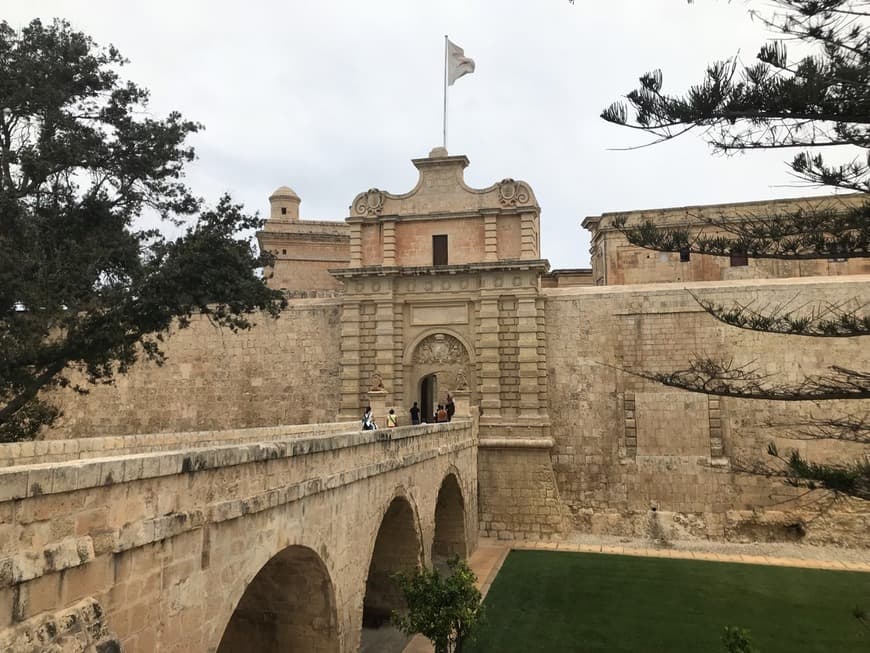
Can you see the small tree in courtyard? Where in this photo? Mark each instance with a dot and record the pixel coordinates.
(83, 289)
(818, 102)
(444, 609)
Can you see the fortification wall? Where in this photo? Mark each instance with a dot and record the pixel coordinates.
(282, 371)
(624, 446)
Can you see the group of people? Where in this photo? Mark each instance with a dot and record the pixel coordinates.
(444, 413)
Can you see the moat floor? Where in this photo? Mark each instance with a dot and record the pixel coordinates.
(490, 555)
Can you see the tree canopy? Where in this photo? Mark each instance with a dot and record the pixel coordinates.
(817, 104)
(444, 609)
(85, 290)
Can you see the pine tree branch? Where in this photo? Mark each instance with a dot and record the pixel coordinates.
(831, 320)
(744, 381)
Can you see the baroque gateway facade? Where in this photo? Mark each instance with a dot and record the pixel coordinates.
(443, 289)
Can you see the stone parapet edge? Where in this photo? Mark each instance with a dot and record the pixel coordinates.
(76, 551)
(24, 481)
(24, 453)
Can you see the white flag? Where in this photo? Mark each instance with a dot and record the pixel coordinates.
(457, 63)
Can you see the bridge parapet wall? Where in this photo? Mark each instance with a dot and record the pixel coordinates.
(165, 541)
(52, 451)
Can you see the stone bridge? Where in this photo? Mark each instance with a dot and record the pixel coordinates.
(274, 539)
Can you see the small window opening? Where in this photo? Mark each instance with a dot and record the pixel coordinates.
(739, 259)
(684, 254)
(439, 250)
(284, 251)
(283, 210)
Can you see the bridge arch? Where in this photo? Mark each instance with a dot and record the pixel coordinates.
(450, 521)
(398, 546)
(288, 606)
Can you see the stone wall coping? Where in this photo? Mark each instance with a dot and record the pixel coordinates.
(747, 285)
(24, 481)
(592, 222)
(52, 451)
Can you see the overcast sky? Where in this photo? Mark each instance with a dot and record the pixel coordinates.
(333, 97)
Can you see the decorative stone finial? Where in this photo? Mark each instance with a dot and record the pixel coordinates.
(438, 153)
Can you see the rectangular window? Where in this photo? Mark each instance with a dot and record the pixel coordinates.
(439, 250)
(283, 210)
(738, 259)
(684, 255)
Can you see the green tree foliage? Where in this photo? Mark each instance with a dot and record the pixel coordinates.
(83, 289)
(817, 104)
(444, 609)
(737, 640)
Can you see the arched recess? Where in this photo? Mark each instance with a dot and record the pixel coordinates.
(398, 547)
(288, 606)
(450, 538)
(443, 354)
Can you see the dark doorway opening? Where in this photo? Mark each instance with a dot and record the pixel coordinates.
(428, 394)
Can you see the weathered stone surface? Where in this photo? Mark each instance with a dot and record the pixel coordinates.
(162, 556)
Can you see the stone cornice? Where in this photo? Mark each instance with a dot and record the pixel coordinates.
(448, 215)
(278, 236)
(538, 265)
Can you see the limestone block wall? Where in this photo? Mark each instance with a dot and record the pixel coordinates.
(280, 372)
(624, 445)
(518, 494)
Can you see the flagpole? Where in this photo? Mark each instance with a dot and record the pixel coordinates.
(445, 91)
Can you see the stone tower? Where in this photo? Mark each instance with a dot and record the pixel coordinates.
(304, 250)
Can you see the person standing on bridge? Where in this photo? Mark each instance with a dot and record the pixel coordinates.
(368, 422)
(415, 414)
(392, 419)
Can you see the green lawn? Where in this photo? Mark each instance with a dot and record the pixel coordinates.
(578, 603)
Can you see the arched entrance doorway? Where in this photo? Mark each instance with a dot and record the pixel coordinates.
(397, 548)
(428, 396)
(288, 606)
(437, 364)
(449, 523)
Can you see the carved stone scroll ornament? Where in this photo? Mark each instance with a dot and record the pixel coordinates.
(512, 193)
(376, 383)
(369, 203)
(461, 381)
(442, 349)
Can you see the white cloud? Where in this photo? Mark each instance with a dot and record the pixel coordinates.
(335, 97)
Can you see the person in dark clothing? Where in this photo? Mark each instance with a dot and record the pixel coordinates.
(368, 423)
(415, 414)
(450, 407)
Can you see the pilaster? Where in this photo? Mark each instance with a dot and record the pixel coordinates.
(384, 341)
(389, 236)
(355, 244)
(490, 238)
(350, 359)
(529, 233)
(527, 343)
(487, 344)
